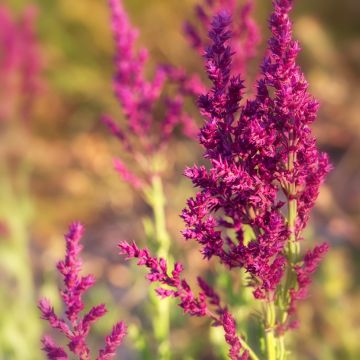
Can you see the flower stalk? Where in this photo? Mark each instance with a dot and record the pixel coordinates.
(270, 323)
(161, 319)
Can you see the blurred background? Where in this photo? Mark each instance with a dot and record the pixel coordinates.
(56, 167)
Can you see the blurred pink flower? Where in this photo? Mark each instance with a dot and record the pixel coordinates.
(20, 63)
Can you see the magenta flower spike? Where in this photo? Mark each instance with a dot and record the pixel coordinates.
(245, 32)
(74, 326)
(207, 303)
(137, 95)
(144, 135)
(265, 152)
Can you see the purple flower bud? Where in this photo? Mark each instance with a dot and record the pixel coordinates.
(231, 338)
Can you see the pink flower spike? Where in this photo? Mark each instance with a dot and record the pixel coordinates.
(77, 328)
(113, 341)
(52, 351)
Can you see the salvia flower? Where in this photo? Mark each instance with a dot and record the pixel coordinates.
(145, 133)
(265, 169)
(74, 326)
(233, 184)
(245, 32)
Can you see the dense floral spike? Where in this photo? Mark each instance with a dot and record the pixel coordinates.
(245, 32)
(113, 341)
(75, 327)
(296, 165)
(173, 285)
(139, 96)
(266, 151)
(52, 350)
(290, 111)
(233, 184)
(20, 63)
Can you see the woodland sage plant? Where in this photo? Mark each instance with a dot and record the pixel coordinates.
(262, 177)
(264, 172)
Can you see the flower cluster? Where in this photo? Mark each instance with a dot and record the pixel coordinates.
(20, 63)
(262, 158)
(245, 32)
(173, 285)
(236, 187)
(254, 197)
(75, 327)
(140, 98)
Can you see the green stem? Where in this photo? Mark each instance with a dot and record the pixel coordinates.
(270, 323)
(161, 322)
(292, 251)
(282, 351)
(158, 206)
(293, 244)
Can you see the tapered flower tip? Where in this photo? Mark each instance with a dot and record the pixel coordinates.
(53, 351)
(118, 333)
(221, 20)
(285, 4)
(131, 250)
(45, 306)
(113, 341)
(76, 231)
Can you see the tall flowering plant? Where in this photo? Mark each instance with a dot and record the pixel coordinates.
(264, 173)
(145, 135)
(75, 327)
(144, 138)
(254, 196)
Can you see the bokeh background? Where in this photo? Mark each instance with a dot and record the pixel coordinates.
(56, 167)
